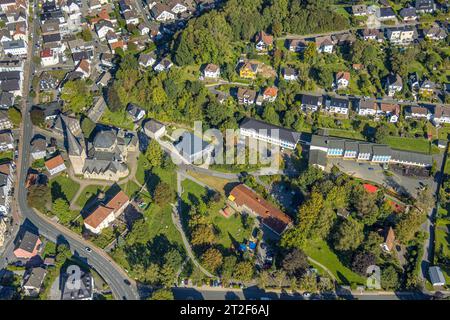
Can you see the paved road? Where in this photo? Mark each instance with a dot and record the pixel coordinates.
(99, 260)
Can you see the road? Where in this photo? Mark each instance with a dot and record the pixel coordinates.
(99, 260)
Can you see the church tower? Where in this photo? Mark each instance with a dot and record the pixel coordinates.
(77, 154)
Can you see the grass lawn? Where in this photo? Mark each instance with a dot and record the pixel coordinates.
(228, 228)
(320, 252)
(345, 134)
(6, 156)
(409, 144)
(88, 193)
(130, 188)
(118, 119)
(63, 187)
(214, 182)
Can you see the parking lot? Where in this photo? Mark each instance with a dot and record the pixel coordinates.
(374, 172)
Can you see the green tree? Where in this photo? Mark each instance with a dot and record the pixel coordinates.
(409, 224)
(37, 117)
(349, 235)
(154, 154)
(87, 126)
(76, 96)
(212, 259)
(228, 266)
(243, 271)
(163, 194)
(38, 197)
(202, 234)
(389, 278)
(62, 209)
(162, 294)
(295, 262)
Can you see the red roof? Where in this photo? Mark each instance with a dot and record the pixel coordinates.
(54, 162)
(370, 188)
(271, 91)
(46, 53)
(343, 75)
(272, 217)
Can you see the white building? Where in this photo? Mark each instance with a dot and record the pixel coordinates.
(15, 48)
(49, 57)
(211, 71)
(55, 165)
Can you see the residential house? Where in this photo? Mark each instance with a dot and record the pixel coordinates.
(102, 28)
(105, 214)
(211, 71)
(55, 165)
(154, 129)
(389, 240)
(267, 132)
(6, 99)
(290, 74)
(27, 245)
(385, 13)
(394, 84)
(372, 34)
(5, 122)
(164, 65)
(6, 141)
(297, 45)
(248, 70)
(246, 96)
(337, 105)
(392, 111)
(192, 148)
(161, 12)
(414, 82)
(425, 6)
(264, 42)
(104, 79)
(143, 29)
(6, 185)
(135, 112)
(342, 39)
(311, 103)
(147, 59)
(435, 33)
(33, 280)
(342, 79)
(324, 44)
(441, 114)
(359, 10)
(38, 148)
(49, 57)
(245, 200)
(417, 112)
(427, 88)
(401, 35)
(437, 278)
(270, 94)
(367, 107)
(15, 48)
(97, 110)
(84, 68)
(408, 14)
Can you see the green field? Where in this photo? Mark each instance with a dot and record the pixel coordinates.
(118, 119)
(348, 134)
(229, 229)
(63, 187)
(409, 144)
(130, 188)
(320, 252)
(88, 193)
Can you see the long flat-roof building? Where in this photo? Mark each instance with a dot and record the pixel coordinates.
(330, 147)
(270, 133)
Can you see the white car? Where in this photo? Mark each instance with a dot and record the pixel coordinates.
(306, 294)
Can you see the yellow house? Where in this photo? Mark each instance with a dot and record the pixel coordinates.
(248, 70)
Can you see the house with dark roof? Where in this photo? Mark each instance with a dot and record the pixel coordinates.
(33, 280)
(38, 148)
(425, 6)
(385, 13)
(437, 278)
(394, 84)
(246, 96)
(311, 102)
(337, 105)
(27, 245)
(135, 112)
(154, 129)
(408, 14)
(267, 132)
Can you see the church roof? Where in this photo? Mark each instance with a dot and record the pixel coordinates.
(105, 139)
